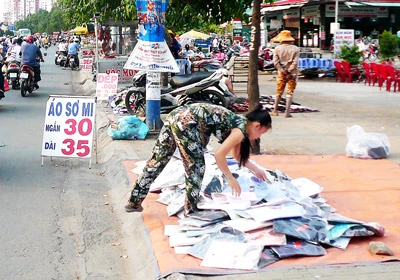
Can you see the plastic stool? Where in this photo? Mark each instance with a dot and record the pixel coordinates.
(302, 63)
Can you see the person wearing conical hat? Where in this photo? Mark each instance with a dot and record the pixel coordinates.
(285, 60)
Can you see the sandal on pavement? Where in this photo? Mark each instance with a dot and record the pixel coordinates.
(130, 208)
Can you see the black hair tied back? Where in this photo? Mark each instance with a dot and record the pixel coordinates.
(261, 115)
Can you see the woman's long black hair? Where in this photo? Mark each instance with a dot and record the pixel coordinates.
(261, 115)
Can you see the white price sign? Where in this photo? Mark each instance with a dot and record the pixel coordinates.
(68, 126)
(86, 64)
(107, 85)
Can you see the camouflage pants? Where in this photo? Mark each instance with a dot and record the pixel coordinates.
(285, 79)
(189, 144)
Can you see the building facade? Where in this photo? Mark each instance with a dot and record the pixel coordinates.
(312, 23)
(15, 10)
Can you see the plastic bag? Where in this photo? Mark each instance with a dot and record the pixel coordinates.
(366, 145)
(128, 128)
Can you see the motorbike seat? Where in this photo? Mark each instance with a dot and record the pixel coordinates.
(29, 69)
(184, 80)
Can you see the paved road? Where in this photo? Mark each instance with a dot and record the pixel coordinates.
(54, 221)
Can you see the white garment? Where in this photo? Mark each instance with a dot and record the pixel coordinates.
(62, 47)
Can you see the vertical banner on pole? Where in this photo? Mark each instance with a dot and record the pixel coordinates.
(68, 127)
(152, 53)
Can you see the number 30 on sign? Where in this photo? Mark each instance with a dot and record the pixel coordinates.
(68, 128)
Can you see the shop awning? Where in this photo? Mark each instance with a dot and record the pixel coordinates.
(280, 8)
(373, 4)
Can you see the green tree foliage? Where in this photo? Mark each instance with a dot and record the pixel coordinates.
(350, 54)
(388, 44)
(44, 21)
(181, 16)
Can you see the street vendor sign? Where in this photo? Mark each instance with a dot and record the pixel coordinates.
(107, 85)
(86, 64)
(151, 53)
(68, 127)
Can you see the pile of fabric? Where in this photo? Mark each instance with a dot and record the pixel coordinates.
(271, 220)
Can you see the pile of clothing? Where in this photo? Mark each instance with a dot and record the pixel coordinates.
(271, 220)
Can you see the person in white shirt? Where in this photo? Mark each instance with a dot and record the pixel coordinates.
(63, 47)
(187, 52)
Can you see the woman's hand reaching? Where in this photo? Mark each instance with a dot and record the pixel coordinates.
(234, 184)
(260, 174)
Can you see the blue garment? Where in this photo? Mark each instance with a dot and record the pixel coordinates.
(73, 48)
(29, 53)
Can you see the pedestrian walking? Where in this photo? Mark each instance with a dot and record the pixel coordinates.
(285, 60)
(189, 129)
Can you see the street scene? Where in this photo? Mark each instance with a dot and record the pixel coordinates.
(144, 150)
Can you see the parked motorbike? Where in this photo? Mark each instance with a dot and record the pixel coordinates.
(27, 80)
(194, 88)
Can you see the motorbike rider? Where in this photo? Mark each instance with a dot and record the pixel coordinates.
(29, 52)
(73, 49)
(63, 47)
(15, 49)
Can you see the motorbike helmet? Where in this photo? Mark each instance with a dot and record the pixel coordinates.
(76, 40)
(29, 39)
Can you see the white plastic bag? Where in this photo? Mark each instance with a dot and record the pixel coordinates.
(366, 145)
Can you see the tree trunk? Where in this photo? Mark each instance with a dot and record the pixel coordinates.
(253, 89)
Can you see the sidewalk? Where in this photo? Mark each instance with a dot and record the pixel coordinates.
(324, 132)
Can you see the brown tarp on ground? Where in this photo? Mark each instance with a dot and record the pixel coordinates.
(365, 190)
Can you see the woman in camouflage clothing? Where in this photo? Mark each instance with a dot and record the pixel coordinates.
(189, 128)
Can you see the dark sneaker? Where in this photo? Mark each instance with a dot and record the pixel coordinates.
(129, 208)
(36, 86)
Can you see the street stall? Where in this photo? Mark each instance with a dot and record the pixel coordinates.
(116, 41)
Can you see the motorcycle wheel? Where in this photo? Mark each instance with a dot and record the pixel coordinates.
(72, 65)
(135, 103)
(24, 88)
(14, 84)
(372, 57)
(214, 97)
(62, 63)
(55, 61)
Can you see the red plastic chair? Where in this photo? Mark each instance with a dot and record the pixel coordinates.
(374, 69)
(382, 74)
(350, 71)
(370, 75)
(340, 75)
(393, 77)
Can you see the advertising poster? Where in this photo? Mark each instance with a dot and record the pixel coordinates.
(86, 64)
(343, 37)
(153, 86)
(107, 85)
(68, 127)
(151, 53)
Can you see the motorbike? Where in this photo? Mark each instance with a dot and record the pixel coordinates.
(46, 45)
(72, 62)
(60, 58)
(12, 74)
(27, 76)
(198, 87)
